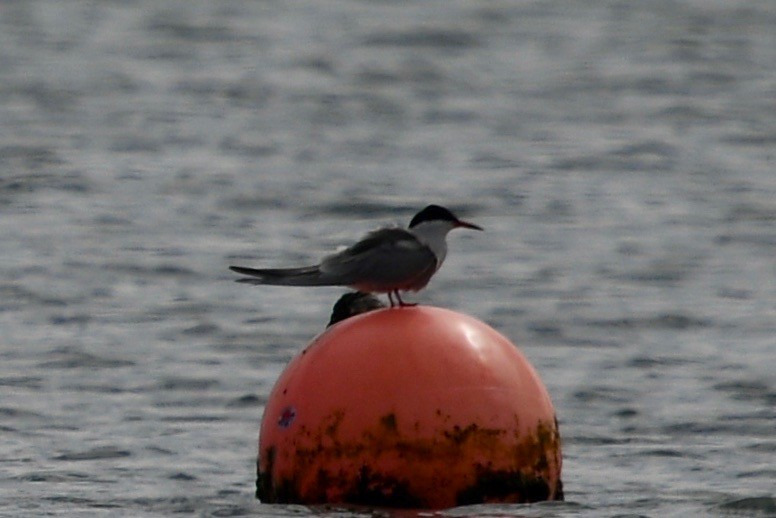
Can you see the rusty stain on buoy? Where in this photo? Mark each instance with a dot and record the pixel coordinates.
(409, 407)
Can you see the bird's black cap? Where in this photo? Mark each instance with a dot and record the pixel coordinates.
(433, 213)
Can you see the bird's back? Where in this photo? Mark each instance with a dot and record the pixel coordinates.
(384, 260)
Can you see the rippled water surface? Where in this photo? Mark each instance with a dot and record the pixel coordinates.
(619, 154)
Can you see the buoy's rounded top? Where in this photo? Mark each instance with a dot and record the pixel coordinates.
(410, 353)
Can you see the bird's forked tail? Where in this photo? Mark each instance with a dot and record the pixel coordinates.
(305, 276)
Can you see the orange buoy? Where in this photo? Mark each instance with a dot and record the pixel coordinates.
(409, 407)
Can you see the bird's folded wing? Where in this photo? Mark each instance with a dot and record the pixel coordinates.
(390, 254)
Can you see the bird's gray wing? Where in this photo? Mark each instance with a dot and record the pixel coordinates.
(385, 256)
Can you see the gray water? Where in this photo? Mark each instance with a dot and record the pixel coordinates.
(619, 154)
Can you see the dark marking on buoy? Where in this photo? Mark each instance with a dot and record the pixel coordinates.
(367, 484)
(503, 486)
(330, 429)
(388, 421)
(559, 491)
(460, 435)
(269, 488)
(376, 489)
(287, 417)
(264, 487)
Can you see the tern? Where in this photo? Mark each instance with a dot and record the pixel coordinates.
(351, 304)
(387, 260)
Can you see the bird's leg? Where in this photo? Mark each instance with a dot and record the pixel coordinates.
(390, 298)
(401, 302)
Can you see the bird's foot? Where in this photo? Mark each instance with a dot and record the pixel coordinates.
(402, 304)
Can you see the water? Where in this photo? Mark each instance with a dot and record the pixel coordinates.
(620, 156)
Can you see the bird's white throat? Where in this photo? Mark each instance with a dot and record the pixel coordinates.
(433, 234)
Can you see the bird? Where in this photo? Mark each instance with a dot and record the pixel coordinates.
(386, 260)
(353, 303)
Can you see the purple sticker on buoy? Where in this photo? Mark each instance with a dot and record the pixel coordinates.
(287, 417)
